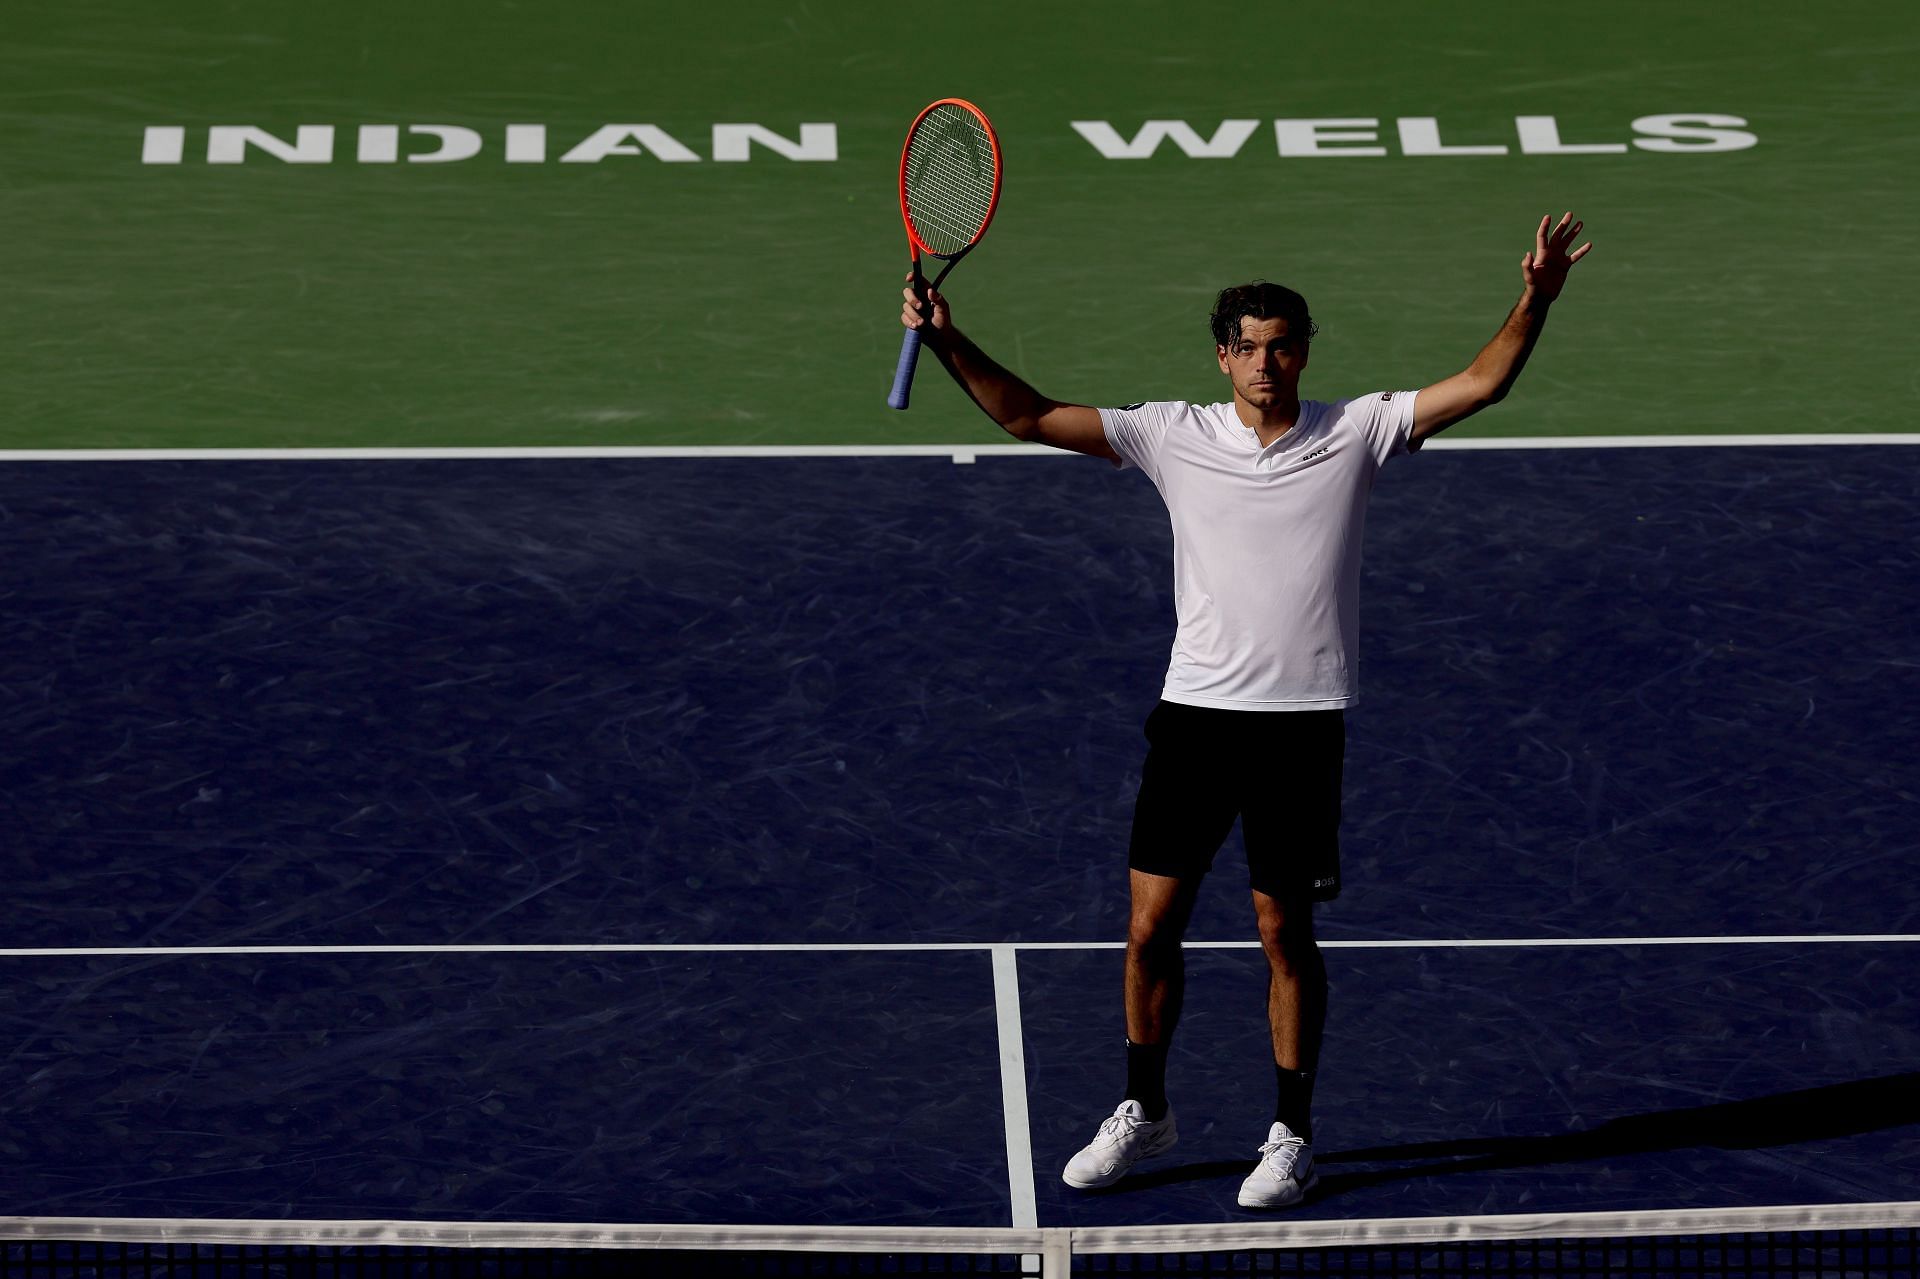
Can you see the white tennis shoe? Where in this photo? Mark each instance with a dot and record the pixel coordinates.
(1284, 1174)
(1125, 1138)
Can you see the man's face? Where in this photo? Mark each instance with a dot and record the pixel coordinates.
(1264, 363)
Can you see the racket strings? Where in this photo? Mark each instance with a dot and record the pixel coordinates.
(949, 200)
(950, 180)
(957, 190)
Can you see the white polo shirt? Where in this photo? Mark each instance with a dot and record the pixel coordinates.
(1266, 543)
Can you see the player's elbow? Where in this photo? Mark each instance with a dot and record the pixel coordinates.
(1025, 429)
(1474, 390)
(1031, 419)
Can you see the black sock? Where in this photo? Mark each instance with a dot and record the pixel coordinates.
(1147, 1078)
(1293, 1100)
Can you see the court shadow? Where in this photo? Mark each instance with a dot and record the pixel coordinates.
(1783, 1119)
(1200, 1170)
(1807, 1114)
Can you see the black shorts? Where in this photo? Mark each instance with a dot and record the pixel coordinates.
(1278, 771)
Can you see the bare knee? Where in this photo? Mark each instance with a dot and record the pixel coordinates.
(1290, 950)
(1286, 935)
(1158, 919)
(1153, 940)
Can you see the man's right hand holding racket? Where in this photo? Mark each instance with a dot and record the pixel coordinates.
(1022, 411)
(931, 317)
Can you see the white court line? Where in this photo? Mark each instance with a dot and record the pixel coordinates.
(958, 452)
(1013, 1087)
(511, 452)
(723, 948)
(1485, 442)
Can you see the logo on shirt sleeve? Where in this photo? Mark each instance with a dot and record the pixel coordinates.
(1128, 408)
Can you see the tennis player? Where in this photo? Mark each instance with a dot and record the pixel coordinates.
(1267, 493)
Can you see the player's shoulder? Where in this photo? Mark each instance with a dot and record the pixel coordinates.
(1383, 419)
(1371, 409)
(1155, 415)
(1366, 402)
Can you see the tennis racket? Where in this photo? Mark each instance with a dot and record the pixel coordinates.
(949, 188)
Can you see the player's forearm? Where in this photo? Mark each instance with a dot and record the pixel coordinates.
(1498, 365)
(1001, 395)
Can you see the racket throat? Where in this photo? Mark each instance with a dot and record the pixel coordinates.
(921, 287)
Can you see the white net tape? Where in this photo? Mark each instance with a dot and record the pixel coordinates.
(1047, 1251)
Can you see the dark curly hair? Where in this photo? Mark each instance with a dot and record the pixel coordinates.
(1260, 301)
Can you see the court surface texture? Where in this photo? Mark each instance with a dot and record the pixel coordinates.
(805, 784)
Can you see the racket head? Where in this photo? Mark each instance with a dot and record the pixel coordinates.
(949, 178)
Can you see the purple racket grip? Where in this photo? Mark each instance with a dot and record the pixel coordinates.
(903, 373)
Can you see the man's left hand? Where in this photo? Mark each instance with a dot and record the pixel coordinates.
(1545, 268)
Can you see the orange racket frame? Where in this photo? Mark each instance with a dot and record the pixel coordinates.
(910, 343)
(914, 243)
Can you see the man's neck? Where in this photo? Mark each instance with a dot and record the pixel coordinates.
(1271, 423)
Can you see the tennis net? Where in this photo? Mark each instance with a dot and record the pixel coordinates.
(1833, 1241)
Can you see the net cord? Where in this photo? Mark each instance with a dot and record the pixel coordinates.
(890, 450)
(1231, 1236)
(1054, 1245)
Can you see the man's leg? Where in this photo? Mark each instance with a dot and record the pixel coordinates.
(1296, 1002)
(1296, 1012)
(1155, 981)
(1293, 860)
(1180, 819)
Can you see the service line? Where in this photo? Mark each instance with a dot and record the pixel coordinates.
(957, 452)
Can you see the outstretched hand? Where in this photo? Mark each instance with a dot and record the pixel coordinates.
(1545, 267)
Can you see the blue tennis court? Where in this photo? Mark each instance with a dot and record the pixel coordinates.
(739, 841)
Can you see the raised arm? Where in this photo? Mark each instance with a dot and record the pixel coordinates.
(1543, 272)
(1020, 410)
